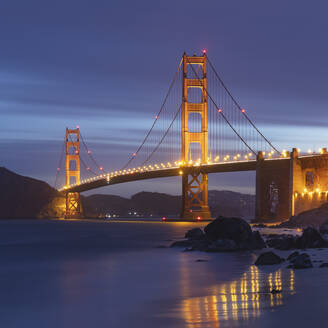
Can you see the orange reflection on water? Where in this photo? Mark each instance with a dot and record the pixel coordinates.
(241, 299)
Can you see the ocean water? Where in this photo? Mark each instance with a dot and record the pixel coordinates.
(120, 274)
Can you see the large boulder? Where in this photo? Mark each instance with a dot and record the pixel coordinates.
(235, 229)
(256, 242)
(282, 242)
(293, 256)
(268, 258)
(301, 261)
(222, 245)
(195, 234)
(310, 238)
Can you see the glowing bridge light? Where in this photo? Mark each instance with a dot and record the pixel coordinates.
(243, 110)
(89, 151)
(220, 110)
(58, 168)
(100, 168)
(77, 126)
(204, 51)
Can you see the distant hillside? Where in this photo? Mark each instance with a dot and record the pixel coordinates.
(23, 197)
(145, 204)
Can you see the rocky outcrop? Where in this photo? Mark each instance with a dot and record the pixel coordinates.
(300, 261)
(282, 242)
(195, 234)
(235, 229)
(268, 258)
(223, 235)
(310, 238)
(311, 218)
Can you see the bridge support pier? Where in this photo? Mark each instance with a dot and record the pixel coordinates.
(73, 205)
(195, 196)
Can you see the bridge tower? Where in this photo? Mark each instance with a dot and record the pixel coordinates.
(194, 184)
(73, 203)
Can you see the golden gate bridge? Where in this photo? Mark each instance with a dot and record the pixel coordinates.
(199, 129)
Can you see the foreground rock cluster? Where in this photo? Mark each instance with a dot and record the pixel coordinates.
(222, 235)
(311, 238)
(234, 234)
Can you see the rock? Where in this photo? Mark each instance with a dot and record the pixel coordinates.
(256, 241)
(293, 256)
(199, 245)
(324, 228)
(182, 243)
(268, 258)
(310, 238)
(301, 261)
(228, 228)
(324, 265)
(195, 234)
(222, 245)
(282, 242)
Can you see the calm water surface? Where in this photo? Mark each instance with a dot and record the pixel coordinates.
(114, 274)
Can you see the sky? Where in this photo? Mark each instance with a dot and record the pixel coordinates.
(106, 66)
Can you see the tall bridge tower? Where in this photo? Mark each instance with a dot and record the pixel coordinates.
(73, 203)
(194, 184)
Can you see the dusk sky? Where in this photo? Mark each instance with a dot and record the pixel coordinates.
(106, 66)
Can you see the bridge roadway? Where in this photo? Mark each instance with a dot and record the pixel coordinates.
(107, 179)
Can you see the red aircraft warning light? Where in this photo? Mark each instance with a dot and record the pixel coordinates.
(163, 219)
(243, 110)
(198, 218)
(204, 51)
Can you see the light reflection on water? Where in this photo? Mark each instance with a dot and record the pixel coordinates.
(239, 300)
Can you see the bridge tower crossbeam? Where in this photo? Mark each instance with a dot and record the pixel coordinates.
(195, 185)
(73, 202)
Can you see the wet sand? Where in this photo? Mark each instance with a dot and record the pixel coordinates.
(114, 274)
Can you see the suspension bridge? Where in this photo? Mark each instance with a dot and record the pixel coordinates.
(200, 129)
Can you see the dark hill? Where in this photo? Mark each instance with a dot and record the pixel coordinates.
(22, 197)
(145, 204)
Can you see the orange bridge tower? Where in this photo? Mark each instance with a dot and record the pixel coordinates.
(195, 183)
(73, 203)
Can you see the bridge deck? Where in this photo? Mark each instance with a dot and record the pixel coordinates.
(106, 179)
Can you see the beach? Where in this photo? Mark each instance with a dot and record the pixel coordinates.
(58, 273)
